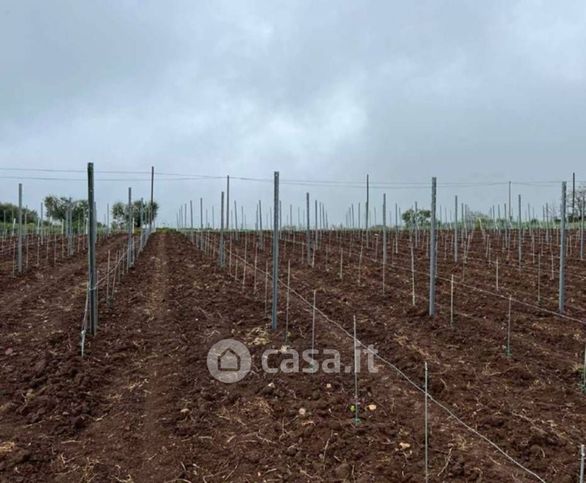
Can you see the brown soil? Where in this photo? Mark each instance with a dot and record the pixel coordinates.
(142, 406)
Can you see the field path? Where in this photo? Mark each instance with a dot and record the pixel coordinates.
(130, 439)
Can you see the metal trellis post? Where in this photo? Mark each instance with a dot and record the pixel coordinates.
(275, 252)
(432, 250)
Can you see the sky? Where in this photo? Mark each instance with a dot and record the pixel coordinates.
(325, 92)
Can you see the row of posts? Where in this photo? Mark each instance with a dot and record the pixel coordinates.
(432, 245)
(92, 230)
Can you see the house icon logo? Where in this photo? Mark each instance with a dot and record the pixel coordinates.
(229, 361)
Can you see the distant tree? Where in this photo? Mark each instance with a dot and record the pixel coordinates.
(573, 213)
(479, 219)
(9, 212)
(421, 217)
(57, 206)
(579, 203)
(120, 210)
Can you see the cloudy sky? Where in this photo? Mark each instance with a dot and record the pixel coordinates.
(475, 93)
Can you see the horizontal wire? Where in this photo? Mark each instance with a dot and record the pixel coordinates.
(416, 386)
(168, 176)
(361, 186)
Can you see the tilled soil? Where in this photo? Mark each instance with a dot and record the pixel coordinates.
(142, 406)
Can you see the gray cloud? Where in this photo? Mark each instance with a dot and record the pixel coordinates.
(463, 90)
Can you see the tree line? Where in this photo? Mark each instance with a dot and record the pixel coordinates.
(57, 207)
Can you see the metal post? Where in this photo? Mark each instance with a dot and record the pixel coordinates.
(141, 224)
(562, 288)
(316, 228)
(573, 195)
(262, 244)
(520, 234)
(582, 229)
(42, 221)
(275, 252)
(384, 238)
(70, 228)
(384, 229)
(510, 205)
(227, 203)
(367, 205)
(308, 233)
(130, 228)
(19, 250)
(92, 296)
(191, 219)
(221, 254)
(152, 201)
(432, 250)
(452, 300)
(201, 223)
(236, 219)
(456, 229)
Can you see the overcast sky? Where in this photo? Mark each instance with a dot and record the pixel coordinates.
(468, 91)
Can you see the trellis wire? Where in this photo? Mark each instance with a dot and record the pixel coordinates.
(115, 269)
(416, 386)
(488, 292)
